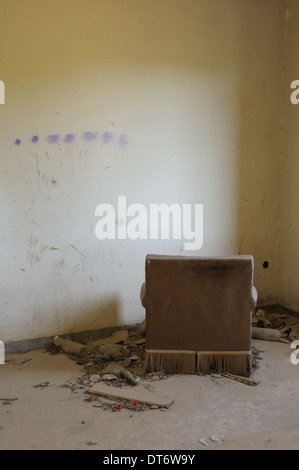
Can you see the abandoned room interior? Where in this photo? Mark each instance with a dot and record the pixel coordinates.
(149, 225)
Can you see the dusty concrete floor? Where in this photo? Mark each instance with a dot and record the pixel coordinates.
(241, 417)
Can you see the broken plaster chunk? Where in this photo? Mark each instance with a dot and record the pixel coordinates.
(127, 362)
(294, 332)
(216, 438)
(118, 336)
(113, 350)
(108, 377)
(42, 385)
(70, 347)
(134, 358)
(260, 313)
(204, 442)
(207, 440)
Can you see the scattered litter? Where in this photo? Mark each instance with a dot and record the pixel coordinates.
(110, 351)
(136, 335)
(97, 402)
(95, 377)
(107, 357)
(216, 438)
(217, 378)
(206, 441)
(42, 385)
(107, 368)
(294, 333)
(260, 313)
(121, 372)
(92, 443)
(73, 388)
(26, 360)
(127, 362)
(155, 376)
(108, 377)
(8, 399)
(134, 358)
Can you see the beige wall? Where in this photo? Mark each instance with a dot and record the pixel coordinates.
(194, 85)
(289, 195)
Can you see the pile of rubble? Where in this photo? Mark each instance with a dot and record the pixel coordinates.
(275, 324)
(112, 367)
(116, 359)
(123, 350)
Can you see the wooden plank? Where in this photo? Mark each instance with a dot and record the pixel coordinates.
(147, 398)
(240, 379)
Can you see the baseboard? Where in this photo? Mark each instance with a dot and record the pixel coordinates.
(45, 342)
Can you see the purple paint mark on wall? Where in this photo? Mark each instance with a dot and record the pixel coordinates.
(87, 136)
(90, 136)
(53, 139)
(123, 140)
(69, 138)
(107, 137)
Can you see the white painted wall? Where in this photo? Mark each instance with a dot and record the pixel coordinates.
(194, 85)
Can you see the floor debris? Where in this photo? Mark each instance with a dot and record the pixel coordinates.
(122, 372)
(70, 347)
(7, 401)
(42, 385)
(206, 441)
(132, 395)
(92, 443)
(275, 323)
(114, 366)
